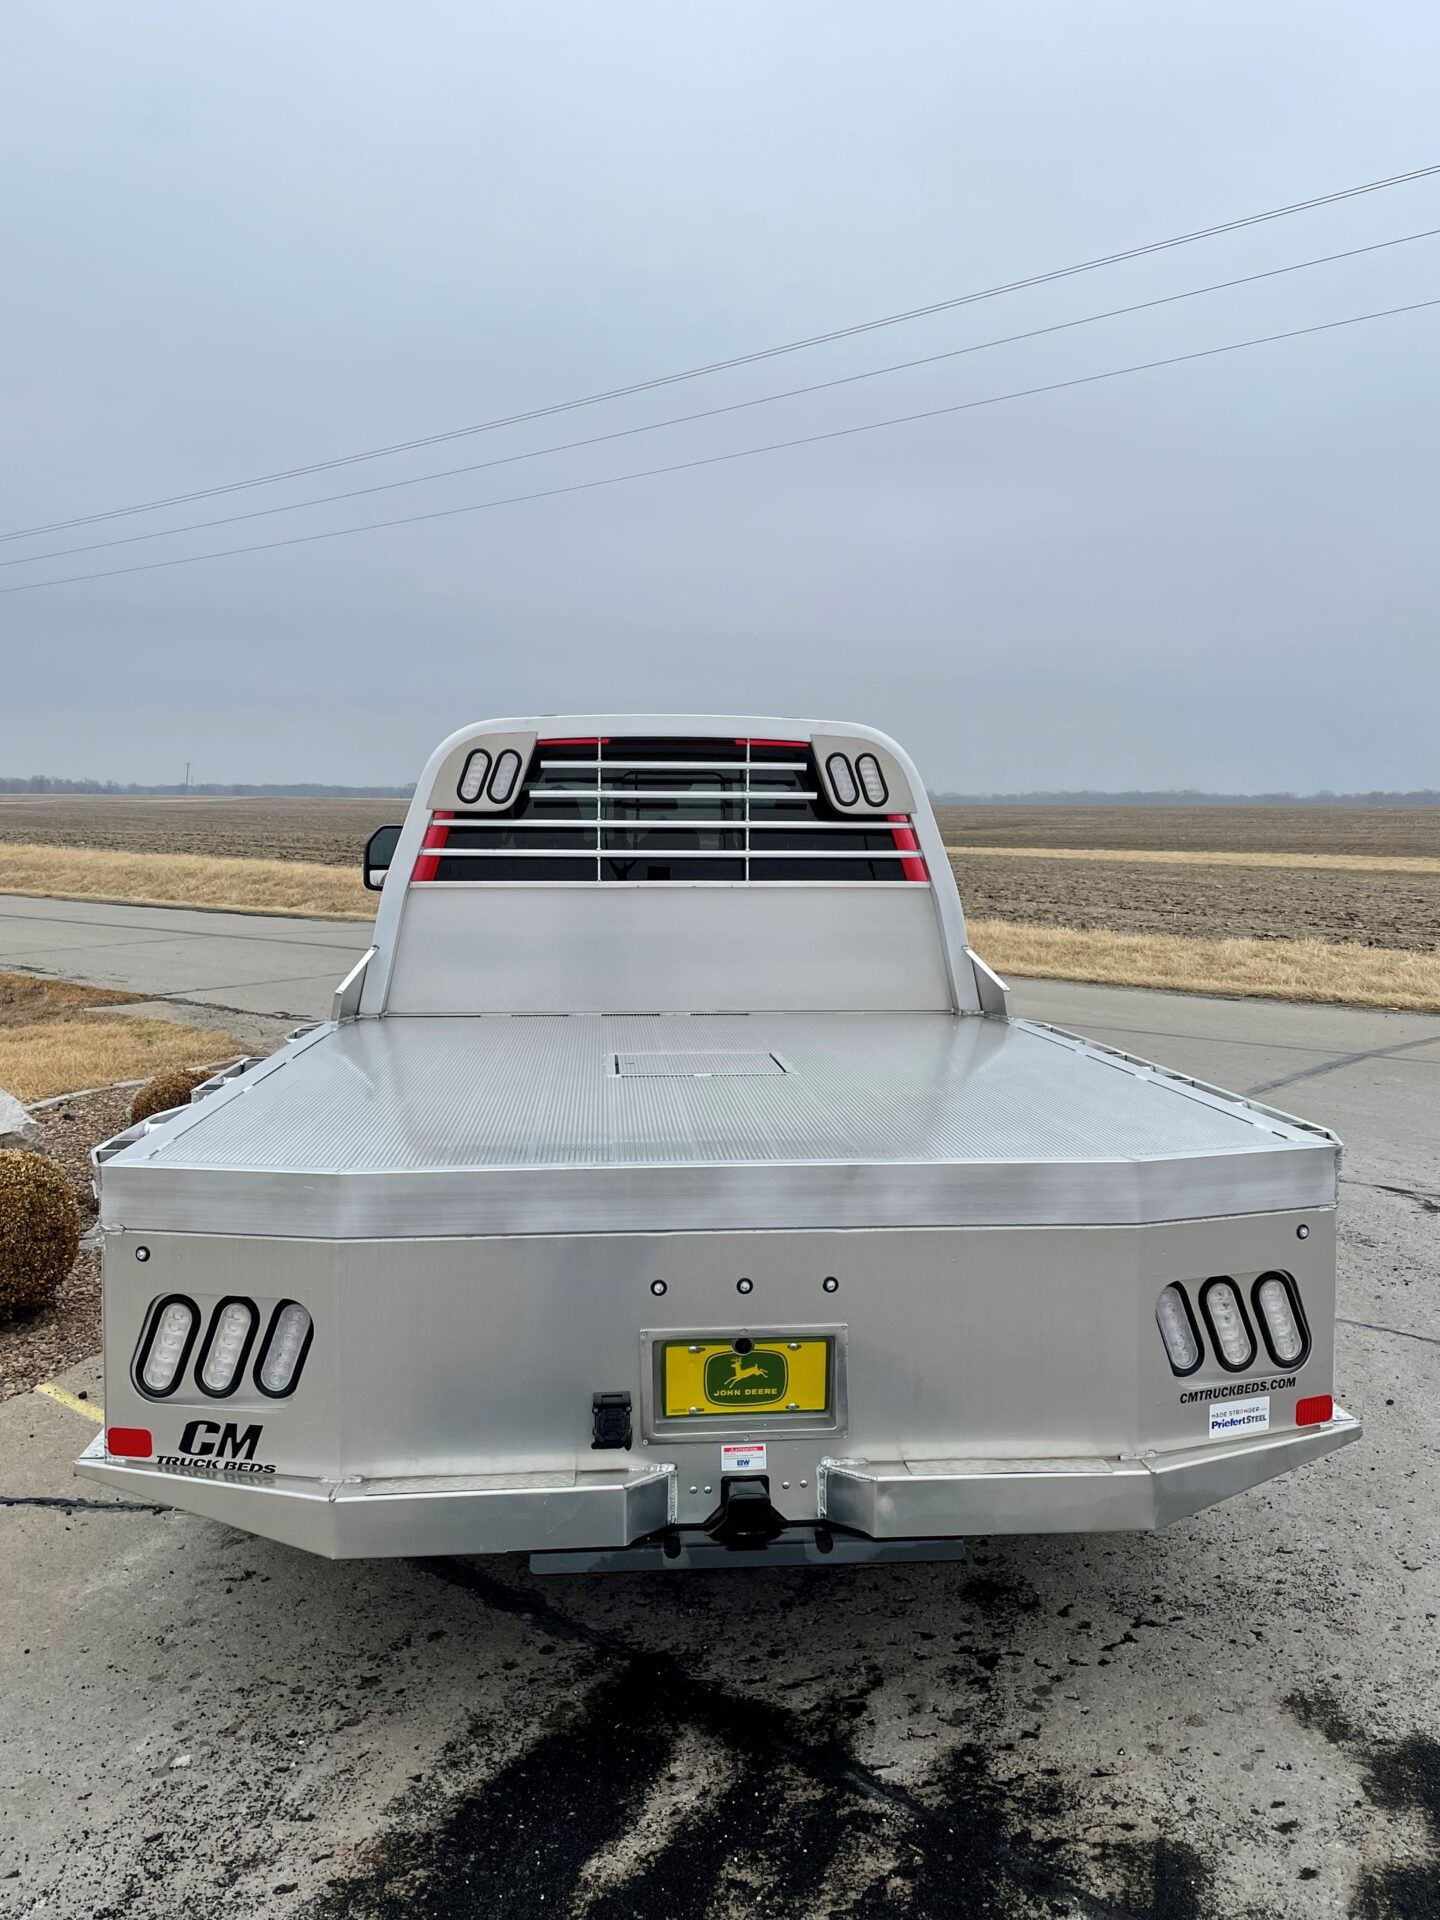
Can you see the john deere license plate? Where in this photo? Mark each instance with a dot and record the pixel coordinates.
(769, 1376)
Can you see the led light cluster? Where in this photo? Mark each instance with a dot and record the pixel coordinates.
(286, 1346)
(172, 1334)
(171, 1326)
(477, 771)
(1281, 1319)
(1177, 1330)
(843, 780)
(222, 1358)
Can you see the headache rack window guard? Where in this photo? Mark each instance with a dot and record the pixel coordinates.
(736, 785)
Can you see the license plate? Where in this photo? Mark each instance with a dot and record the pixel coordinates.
(774, 1376)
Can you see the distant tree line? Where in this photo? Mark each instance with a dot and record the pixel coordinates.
(1082, 797)
(235, 790)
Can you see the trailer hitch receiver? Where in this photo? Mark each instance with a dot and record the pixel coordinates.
(744, 1517)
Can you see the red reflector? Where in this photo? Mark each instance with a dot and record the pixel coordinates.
(1314, 1411)
(131, 1443)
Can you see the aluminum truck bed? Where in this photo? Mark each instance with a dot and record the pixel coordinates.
(672, 1185)
(487, 1125)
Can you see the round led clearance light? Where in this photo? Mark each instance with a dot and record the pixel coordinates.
(1173, 1318)
(225, 1353)
(872, 780)
(842, 779)
(507, 772)
(285, 1349)
(472, 780)
(169, 1343)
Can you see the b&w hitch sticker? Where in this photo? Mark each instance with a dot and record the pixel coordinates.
(1229, 1417)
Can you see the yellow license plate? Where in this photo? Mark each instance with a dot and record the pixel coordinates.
(774, 1376)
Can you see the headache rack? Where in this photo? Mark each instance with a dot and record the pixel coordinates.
(640, 809)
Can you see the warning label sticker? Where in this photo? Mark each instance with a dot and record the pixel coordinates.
(1240, 1416)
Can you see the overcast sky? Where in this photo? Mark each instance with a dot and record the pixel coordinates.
(241, 238)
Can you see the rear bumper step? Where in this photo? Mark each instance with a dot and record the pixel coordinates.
(450, 1513)
(594, 1510)
(897, 1499)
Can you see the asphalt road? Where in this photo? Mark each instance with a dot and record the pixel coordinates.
(1238, 1717)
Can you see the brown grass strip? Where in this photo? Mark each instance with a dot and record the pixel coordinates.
(1315, 970)
(1336, 862)
(26, 998)
(303, 888)
(1274, 969)
(36, 1061)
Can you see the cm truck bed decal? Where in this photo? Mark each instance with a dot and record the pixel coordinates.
(217, 1447)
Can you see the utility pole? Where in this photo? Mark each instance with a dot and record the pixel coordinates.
(187, 776)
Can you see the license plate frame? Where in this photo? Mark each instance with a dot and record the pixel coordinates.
(664, 1413)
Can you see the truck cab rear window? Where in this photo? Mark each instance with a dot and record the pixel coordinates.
(644, 809)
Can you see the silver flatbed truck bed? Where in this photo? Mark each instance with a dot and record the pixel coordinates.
(727, 1280)
(495, 1125)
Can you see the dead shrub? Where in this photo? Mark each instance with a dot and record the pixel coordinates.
(172, 1088)
(39, 1230)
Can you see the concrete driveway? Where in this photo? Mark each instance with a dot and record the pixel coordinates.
(1240, 1717)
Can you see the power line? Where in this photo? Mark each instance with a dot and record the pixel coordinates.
(712, 413)
(737, 360)
(720, 459)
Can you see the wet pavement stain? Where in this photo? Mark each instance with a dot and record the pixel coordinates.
(1399, 1776)
(795, 1824)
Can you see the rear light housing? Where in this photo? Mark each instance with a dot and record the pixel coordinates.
(1178, 1330)
(505, 776)
(842, 779)
(872, 780)
(1276, 1299)
(282, 1354)
(165, 1345)
(1227, 1324)
(226, 1348)
(476, 773)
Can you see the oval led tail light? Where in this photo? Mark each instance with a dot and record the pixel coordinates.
(1277, 1307)
(227, 1344)
(166, 1345)
(284, 1351)
(1178, 1330)
(1229, 1329)
(473, 778)
(872, 780)
(842, 779)
(507, 772)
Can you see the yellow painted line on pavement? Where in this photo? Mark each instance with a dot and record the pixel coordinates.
(73, 1401)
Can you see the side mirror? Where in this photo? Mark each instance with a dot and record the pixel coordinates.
(379, 852)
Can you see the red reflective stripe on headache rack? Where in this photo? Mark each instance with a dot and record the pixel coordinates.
(591, 742)
(913, 868)
(437, 834)
(802, 746)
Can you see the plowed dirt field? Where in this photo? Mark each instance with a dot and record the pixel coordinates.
(1267, 902)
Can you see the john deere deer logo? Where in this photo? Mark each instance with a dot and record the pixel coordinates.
(755, 1379)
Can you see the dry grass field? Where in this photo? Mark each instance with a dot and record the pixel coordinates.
(52, 1042)
(1323, 903)
(302, 887)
